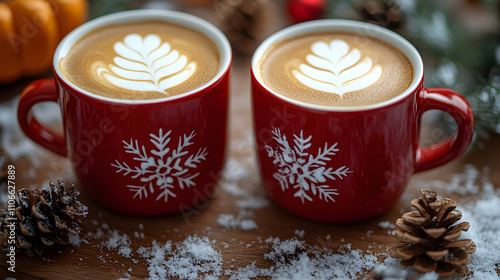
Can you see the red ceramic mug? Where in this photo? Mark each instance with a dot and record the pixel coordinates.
(346, 164)
(142, 157)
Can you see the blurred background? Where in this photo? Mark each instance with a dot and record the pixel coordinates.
(459, 40)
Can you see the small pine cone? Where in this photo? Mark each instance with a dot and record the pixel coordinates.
(244, 22)
(43, 218)
(4, 164)
(386, 13)
(429, 238)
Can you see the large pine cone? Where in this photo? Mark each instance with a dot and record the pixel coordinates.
(429, 238)
(43, 218)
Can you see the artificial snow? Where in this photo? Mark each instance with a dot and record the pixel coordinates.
(125, 251)
(250, 195)
(75, 240)
(386, 225)
(292, 261)
(252, 202)
(196, 257)
(300, 233)
(139, 234)
(484, 218)
(234, 171)
(242, 222)
(233, 189)
(470, 182)
(392, 269)
(193, 258)
(15, 143)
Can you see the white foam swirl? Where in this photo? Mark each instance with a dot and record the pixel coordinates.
(337, 68)
(146, 64)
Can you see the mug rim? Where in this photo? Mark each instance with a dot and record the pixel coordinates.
(138, 15)
(349, 26)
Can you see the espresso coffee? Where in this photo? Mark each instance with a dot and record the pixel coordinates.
(141, 60)
(335, 69)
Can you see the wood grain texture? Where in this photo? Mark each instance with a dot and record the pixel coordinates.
(238, 248)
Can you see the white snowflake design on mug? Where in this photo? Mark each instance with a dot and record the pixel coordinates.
(335, 67)
(306, 173)
(147, 64)
(163, 170)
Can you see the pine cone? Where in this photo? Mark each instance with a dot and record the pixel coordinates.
(4, 163)
(386, 13)
(43, 218)
(429, 240)
(244, 22)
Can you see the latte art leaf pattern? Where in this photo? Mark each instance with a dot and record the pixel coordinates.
(147, 64)
(337, 68)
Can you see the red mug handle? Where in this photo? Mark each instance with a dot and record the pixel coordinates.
(445, 151)
(36, 92)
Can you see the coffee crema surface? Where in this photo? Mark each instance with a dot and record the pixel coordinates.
(141, 60)
(335, 69)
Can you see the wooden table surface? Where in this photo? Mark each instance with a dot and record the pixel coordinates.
(238, 248)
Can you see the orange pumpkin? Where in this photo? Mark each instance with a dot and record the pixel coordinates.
(30, 31)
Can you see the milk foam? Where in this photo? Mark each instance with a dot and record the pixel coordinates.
(141, 60)
(146, 64)
(337, 68)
